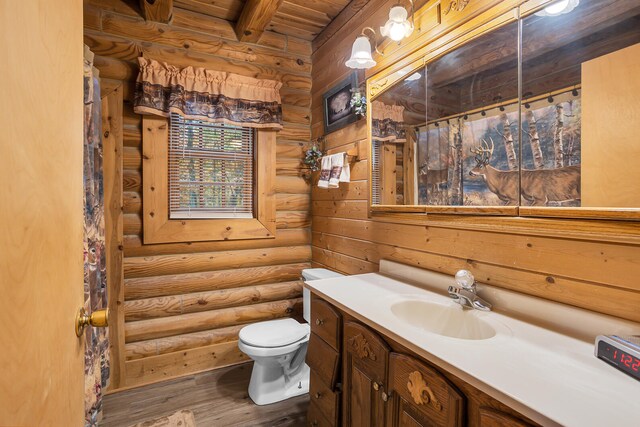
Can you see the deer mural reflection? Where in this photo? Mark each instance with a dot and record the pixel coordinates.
(539, 187)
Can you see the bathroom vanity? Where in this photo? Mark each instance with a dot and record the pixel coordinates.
(384, 351)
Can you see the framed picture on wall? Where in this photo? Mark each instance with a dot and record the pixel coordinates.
(337, 104)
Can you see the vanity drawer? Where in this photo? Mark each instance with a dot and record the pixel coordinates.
(423, 389)
(326, 400)
(315, 417)
(323, 360)
(325, 322)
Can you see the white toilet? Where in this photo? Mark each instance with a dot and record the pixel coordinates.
(278, 349)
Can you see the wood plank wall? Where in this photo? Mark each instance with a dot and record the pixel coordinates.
(184, 303)
(593, 265)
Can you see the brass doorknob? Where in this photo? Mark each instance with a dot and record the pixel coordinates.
(99, 319)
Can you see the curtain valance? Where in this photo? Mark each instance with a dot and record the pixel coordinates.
(212, 96)
(387, 122)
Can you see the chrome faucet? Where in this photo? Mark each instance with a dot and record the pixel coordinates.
(465, 294)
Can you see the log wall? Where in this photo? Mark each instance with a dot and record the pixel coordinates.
(588, 264)
(184, 303)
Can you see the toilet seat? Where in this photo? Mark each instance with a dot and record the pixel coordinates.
(253, 351)
(273, 333)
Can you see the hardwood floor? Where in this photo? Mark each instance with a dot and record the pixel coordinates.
(217, 398)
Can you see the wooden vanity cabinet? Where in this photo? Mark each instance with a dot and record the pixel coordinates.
(361, 378)
(324, 359)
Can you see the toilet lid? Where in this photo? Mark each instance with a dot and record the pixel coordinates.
(273, 333)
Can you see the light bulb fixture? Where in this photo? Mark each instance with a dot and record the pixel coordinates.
(559, 8)
(412, 77)
(398, 26)
(361, 57)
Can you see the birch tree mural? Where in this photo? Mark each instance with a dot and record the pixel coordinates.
(534, 140)
(508, 142)
(558, 148)
(455, 142)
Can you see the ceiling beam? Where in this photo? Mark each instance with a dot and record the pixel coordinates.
(254, 19)
(157, 10)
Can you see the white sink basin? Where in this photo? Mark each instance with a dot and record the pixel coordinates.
(447, 320)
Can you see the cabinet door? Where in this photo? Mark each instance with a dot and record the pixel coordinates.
(421, 396)
(490, 417)
(365, 369)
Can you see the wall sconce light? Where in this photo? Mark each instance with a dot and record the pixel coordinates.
(398, 26)
(361, 51)
(559, 8)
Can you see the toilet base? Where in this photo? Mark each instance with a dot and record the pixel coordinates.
(269, 384)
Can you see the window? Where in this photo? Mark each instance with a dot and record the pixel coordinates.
(210, 170)
(375, 172)
(204, 181)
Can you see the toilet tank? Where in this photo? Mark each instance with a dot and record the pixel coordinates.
(309, 274)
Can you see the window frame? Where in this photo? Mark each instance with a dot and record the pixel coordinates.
(159, 228)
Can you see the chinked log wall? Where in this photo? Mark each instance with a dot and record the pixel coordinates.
(588, 264)
(184, 303)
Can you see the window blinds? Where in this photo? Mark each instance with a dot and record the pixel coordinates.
(210, 170)
(375, 172)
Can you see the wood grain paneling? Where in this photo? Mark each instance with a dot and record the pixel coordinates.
(148, 287)
(170, 365)
(140, 349)
(157, 10)
(174, 305)
(41, 238)
(112, 144)
(305, 19)
(293, 237)
(182, 304)
(609, 181)
(193, 322)
(587, 264)
(223, 9)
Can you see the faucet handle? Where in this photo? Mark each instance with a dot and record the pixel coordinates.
(453, 292)
(465, 279)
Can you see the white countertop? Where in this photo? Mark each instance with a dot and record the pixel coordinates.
(547, 376)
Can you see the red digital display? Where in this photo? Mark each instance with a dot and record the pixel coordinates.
(620, 359)
(627, 360)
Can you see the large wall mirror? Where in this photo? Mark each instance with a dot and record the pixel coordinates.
(580, 105)
(550, 127)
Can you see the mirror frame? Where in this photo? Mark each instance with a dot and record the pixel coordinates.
(414, 56)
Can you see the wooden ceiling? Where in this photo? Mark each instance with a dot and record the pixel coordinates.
(303, 19)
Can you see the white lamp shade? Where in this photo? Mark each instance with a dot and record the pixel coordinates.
(559, 8)
(397, 26)
(361, 54)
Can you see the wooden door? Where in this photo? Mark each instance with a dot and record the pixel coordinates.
(365, 371)
(421, 396)
(41, 213)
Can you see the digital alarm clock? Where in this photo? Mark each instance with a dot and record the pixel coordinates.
(620, 352)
